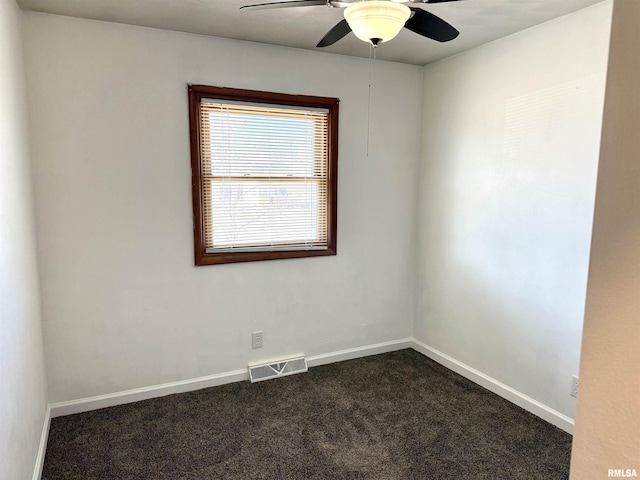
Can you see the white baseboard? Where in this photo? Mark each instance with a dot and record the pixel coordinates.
(358, 352)
(42, 448)
(119, 398)
(135, 395)
(523, 401)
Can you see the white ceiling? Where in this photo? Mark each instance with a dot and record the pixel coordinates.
(479, 21)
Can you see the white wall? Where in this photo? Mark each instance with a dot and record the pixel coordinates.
(23, 398)
(607, 432)
(124, 305)
(506, 191)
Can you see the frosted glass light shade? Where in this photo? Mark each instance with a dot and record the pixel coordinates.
(376, 19)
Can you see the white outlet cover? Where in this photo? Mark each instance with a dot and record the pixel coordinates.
(574, 386)
(256, 340)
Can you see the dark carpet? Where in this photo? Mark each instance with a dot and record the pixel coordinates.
(393, 416)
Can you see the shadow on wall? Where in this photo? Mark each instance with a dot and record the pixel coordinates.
(506, 236)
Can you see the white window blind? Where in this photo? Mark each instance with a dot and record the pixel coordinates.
(264, 176)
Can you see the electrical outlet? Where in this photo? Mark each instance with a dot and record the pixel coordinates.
(574, 386)
(256, 340)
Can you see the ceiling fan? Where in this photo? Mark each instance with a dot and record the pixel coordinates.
(375, 21)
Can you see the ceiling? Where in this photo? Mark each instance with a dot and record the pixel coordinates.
(479, 21)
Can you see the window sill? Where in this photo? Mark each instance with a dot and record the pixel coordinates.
(236, 257)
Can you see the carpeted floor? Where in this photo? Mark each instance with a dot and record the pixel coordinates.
(392, 416)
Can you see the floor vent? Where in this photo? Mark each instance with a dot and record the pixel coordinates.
(277, 368)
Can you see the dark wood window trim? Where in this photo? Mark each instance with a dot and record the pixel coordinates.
(199, 92)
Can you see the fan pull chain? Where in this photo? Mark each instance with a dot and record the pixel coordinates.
(372, 58)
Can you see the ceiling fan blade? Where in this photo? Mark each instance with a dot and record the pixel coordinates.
(431, 26)
(286, 4)
(341, 29)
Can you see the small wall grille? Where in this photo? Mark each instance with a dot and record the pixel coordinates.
(277, 368)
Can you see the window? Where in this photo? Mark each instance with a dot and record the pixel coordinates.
(264, 175)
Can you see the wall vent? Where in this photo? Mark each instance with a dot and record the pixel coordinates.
(277, 368)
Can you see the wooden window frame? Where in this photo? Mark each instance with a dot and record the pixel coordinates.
(196, 94)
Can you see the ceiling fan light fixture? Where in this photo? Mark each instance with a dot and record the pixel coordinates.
(376, 21)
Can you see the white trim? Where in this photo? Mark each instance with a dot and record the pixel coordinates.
(42, 448)
(520, 399)
(351, 353)
(128, 396)
(266, 361)
(144, 393)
